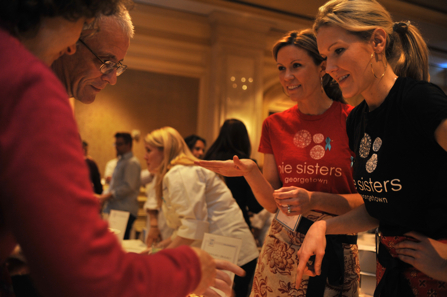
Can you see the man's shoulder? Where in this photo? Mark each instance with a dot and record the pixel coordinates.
(134, 161)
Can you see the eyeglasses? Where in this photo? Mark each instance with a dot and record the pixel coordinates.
(107, 66)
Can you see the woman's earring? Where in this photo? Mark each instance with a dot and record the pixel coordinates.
(384, 64)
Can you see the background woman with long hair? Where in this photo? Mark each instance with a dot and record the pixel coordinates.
(233, 140)
(195, 200)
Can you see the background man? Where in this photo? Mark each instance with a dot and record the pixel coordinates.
(124, 187)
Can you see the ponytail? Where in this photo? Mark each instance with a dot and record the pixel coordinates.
(413, 61)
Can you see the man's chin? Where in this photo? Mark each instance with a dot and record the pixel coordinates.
(86, 99)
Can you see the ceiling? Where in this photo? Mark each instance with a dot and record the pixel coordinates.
(429, 16)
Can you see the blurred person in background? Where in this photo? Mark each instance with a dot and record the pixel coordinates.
(95, 176)
(196, 201)
(197, 145)
(233, 140)
(122, 193)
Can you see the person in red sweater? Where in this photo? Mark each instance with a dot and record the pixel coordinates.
(47, 204)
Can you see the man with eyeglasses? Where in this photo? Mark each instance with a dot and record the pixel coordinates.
(98, 58)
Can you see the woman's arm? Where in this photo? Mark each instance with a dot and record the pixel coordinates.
(441, 134)
(314, 243)
(153, 234)
(301, 201)
(262, 185)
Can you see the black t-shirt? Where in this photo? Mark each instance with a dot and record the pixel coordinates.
(399, 169)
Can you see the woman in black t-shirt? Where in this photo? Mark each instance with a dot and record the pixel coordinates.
(399, 136)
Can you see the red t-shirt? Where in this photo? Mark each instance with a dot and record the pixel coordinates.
(311, 151)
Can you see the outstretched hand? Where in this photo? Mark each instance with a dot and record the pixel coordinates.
(235, 167)
(425, 254)
(314, 244)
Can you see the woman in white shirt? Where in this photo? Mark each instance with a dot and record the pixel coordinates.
(196, 201)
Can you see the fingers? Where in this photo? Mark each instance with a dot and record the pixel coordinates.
(415, 235)
(211, 293)
(236, 160)
(225, 265)
(210, 164)
(146, 251)
(304, 267)
(407, 259)
(300, 270)
(284, 194)
(222, 276)
(317, 263)
(285, 189)
(406, 252)
(223, 282)
(409, 243)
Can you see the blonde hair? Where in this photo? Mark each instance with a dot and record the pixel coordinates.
(175, 152)
(405, 49)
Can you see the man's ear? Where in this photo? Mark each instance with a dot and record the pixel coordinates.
(378, 40)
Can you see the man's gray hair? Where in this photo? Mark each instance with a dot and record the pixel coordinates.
(122, 18)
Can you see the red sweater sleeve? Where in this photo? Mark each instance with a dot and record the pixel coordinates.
(47, 204)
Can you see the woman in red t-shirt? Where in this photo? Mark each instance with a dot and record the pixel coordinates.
(305, 146)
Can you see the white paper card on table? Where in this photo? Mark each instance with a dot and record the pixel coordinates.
(222, 248)
(134, 246)
(290, 222)
(118, 220)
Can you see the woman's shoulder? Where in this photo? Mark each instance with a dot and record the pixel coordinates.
(344, 108)
(279, 119)
(188, 170)
(417, 89)
(282, 114)
(417, 97)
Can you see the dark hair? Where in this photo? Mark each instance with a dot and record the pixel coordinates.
(125, 136)
(22, 17)
(233, 140)
(307, 41)
(192, 139)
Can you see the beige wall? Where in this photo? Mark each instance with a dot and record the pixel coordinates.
(140, 100)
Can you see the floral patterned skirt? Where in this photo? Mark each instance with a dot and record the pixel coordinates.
(275, 274)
